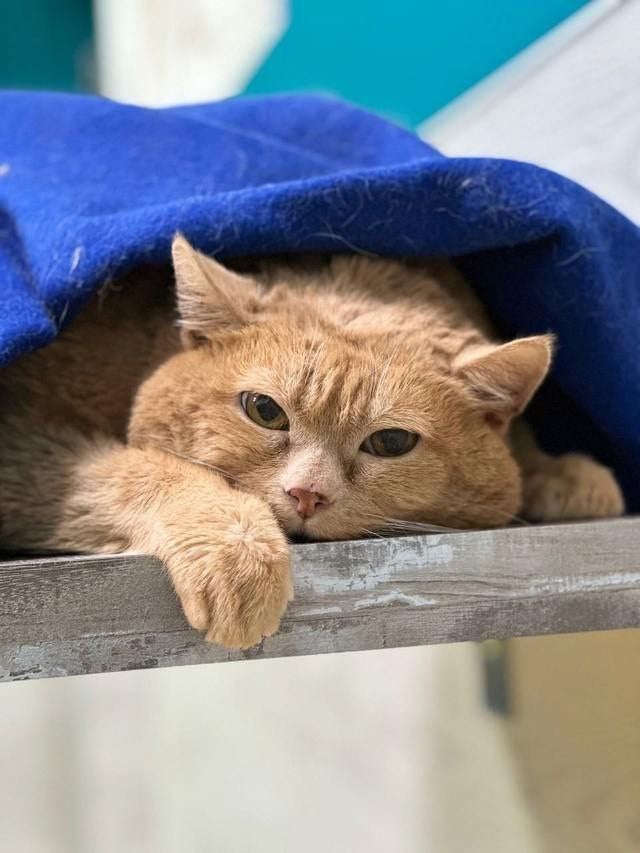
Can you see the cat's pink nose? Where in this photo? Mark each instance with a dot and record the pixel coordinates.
(307, 502)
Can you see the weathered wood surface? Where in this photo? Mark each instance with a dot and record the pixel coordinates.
(65, 616)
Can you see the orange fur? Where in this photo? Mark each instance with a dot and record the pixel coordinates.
(125, 434)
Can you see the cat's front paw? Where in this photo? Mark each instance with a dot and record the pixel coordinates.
(233, 577)
(570, 487)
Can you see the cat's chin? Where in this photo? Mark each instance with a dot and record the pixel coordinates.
(303, 531)
(314, 529)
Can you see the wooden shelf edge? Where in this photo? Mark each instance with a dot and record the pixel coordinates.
(74, 615)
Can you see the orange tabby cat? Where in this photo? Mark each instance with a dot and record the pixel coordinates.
(325, 400)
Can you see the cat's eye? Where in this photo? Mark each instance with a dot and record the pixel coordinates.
(390, 442)
(264, 410)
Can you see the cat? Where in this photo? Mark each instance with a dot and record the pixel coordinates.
(319, 398)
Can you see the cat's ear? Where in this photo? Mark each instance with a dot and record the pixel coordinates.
(211, 298)
(502, 379)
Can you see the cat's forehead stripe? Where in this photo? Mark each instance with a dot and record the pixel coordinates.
(347, 396)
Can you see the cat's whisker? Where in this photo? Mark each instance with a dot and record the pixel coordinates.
(378, 374)
(402, 525)
(351, 246)
(508, 516)
(315, 354)
(381, 377)
(371, 533)
(521, 521)
(199, 462)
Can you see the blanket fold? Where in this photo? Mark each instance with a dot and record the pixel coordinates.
(90, 188)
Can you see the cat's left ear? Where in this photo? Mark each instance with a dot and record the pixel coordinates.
(502, 379)
(211, 298)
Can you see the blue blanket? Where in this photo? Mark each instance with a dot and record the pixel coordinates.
(90, 188)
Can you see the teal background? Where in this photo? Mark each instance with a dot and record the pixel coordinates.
(403, 58)
(46, 44)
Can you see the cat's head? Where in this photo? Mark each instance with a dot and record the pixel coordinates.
(315, 398)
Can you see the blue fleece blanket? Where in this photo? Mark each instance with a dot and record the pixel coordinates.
(90, 188)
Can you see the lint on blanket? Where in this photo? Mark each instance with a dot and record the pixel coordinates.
(91, 188)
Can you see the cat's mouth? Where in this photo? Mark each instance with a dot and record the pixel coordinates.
(298, 529)
(318, 529)
(307, 529)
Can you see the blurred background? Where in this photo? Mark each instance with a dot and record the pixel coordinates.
(380, 55)
(395, 750)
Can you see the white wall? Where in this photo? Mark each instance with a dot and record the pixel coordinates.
(363, 753)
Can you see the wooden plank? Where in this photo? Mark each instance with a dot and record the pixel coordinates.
(65, 616)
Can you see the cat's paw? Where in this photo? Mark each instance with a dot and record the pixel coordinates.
(233, 577)
(570, 487)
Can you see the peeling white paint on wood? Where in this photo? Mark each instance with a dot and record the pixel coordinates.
(394, 598)
(71, 615)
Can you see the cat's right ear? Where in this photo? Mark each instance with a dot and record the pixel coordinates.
(210, 297)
